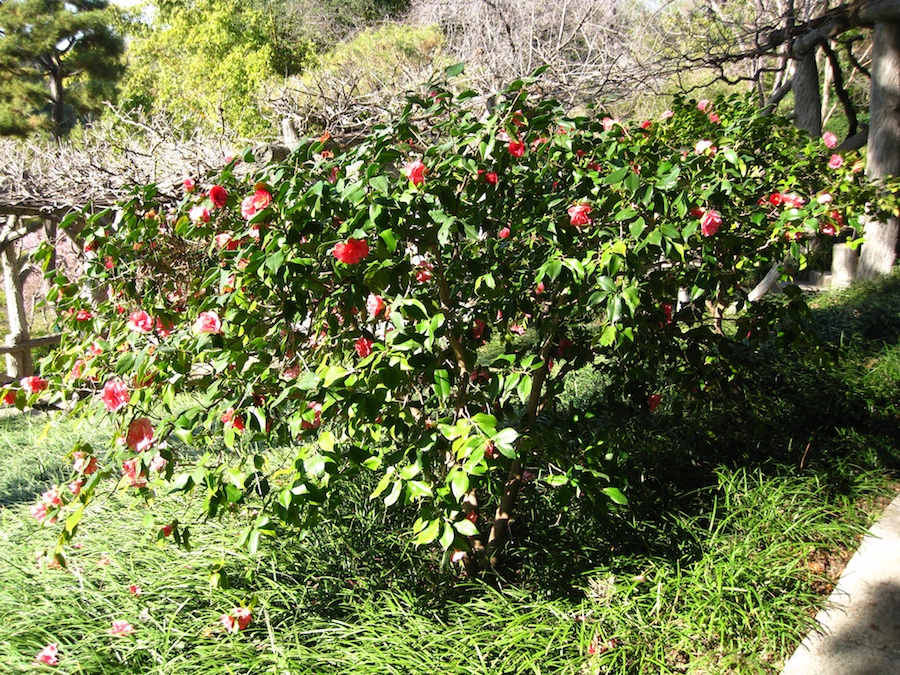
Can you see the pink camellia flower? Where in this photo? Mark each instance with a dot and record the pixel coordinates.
(84, 315)
(457, 555)
(114, 395)
(825, 198)
(140, 321)
(291, 372)
(415, 172)
(351, 251)
(316, 407)
(516, 148)
(158, 464)
(608, 123)
(838, 218)
(33, 384)
(702, 146)
(710, 222)
(517, 329)
(189, 184)
(140, 434)
(829, 139)
(578, 214)
(52, 497)
(828, 229)
(225, 240)
(703, 105)
(253, 204)
(208, 322)
(423, 273)
(48, 655)
(135, 590)
(653, 401)
(231, 418)
(795, 201)
(84, 463)
(539, 288)
(199, 214)
(504, 233)
(9, 398)
(363, 347)
(713, 118)
(75, 487)
(121, 628)
(836, 162)
(667, 115)
(39, 512)
(374, 305)
(218, 196)
(132, 469)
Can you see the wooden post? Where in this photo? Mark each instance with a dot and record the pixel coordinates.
(879, 251)
(18, 364)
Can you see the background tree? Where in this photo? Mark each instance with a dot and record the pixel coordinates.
(58, 60)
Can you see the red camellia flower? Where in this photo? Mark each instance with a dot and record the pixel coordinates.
(132, 469)
(828, 229)
(653, 401)
(140, 321)
(478, 329)
(231, 418)
(218, 196)
(9, 398)
(84, 315)
(793, 200)
(253, 204)
(363, 347)
(47, 655)
(491, 177)
(238, 620)
(539, 288)
(351, 252)
(516, 148)
(423, 274)
(710, 222)
(646, 124)
(775, 199)
(415, 172)
(114, 395)
(189, 184)
(167, 529)
(208, 322)
(33, 384)
(504, 233)
(578, 214)
(374, 305)
(140, 434)
(316, 407)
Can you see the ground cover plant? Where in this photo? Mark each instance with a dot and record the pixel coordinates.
(741, 511)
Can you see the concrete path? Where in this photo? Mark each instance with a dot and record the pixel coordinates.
(860, 628)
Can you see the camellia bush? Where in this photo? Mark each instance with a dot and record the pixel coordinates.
(412, 307)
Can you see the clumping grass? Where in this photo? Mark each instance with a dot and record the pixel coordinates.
(743, 508)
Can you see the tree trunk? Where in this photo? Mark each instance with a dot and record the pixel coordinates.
(879, 252)
(57, 99)
(844, 263)
(807, 99)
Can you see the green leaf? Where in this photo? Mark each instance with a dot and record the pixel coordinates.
(459, 483)
(466, 528)
(616, 495)
(454, 70)
(442, 383)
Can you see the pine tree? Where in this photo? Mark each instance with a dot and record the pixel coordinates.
(58, 60)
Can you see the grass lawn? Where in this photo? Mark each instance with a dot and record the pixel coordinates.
(743, 509)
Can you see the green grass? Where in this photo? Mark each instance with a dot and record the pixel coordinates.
(708, 570)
